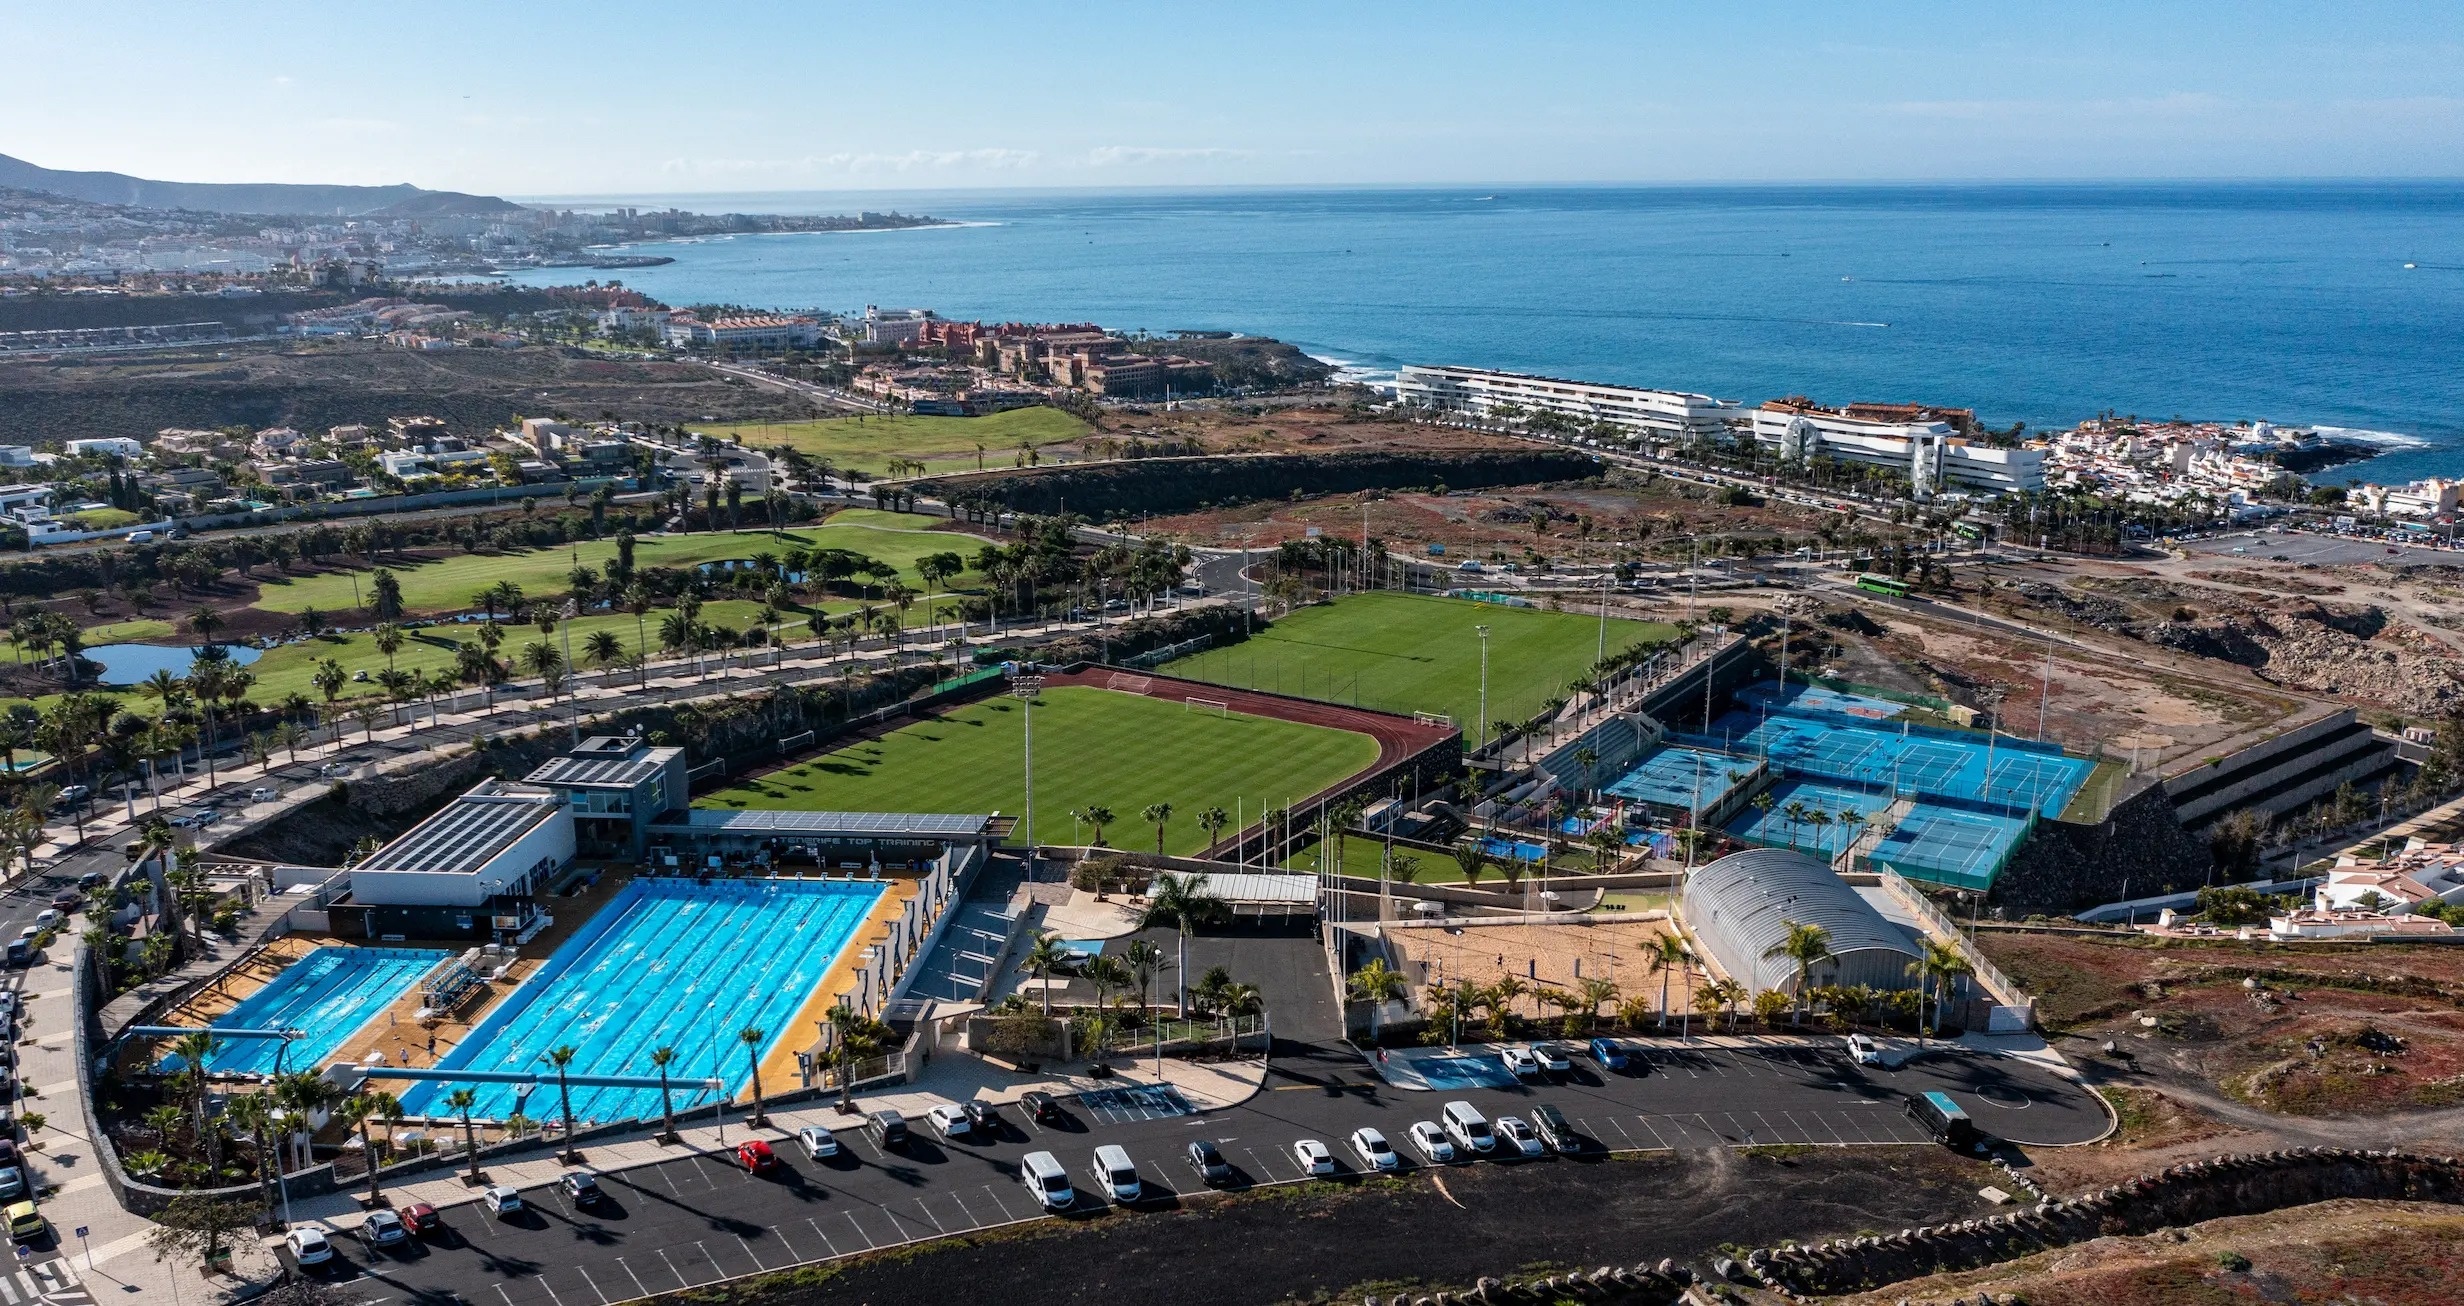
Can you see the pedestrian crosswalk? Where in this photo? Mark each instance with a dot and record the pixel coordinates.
(51, 1283)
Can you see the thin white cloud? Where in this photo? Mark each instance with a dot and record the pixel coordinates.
(1114, 156)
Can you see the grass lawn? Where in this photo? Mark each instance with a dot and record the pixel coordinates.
(447, 585)
(290, 669)
(1414, 653)
(949, 442)
(1091, 746)
(103, 519)
(133, 630)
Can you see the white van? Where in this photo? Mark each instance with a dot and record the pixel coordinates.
(1041, 1172)
(1115, 1174)
(1468, 1128)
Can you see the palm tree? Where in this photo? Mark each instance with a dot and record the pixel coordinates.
(329, 680)
(752, 1037)
(1099, 816)
(1595, 991)
(1377, 984)
(1668, 953)
(1472, 861)
(1045, 958)
(462, 1100)
(1212, 822)
(1157, 814)
(560, 1057)
(1146, 961)
(604, 649)
(252, 1114)
(855, 1037)
(205, 621)
(1184, 903)
(663, 1057)
(361, 1108)
(1808, 946)
(1941, 962)
(388, 640)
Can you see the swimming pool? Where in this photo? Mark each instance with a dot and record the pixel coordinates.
(667, 963)
(329, 994)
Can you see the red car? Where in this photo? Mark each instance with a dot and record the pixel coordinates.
(756, 1155)
(421, 1219)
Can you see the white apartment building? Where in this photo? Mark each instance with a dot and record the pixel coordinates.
(117, 446)
(1931, 455)
(1665, 413)
(894, 326)
(2430, 498)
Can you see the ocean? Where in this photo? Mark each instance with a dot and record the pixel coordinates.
(2336, 305)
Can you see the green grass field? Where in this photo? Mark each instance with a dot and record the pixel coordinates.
(447, 585)
(948, 443)
(1414, 653)
(1092, 746)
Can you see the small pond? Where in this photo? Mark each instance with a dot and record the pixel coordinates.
(131, 664)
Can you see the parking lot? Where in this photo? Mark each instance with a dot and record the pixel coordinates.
(702, 1218)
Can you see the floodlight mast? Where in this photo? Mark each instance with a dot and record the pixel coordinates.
(1025, 689)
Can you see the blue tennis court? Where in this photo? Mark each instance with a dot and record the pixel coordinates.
(1690, 780)
(1915, 760)
(1809, 816)
(1815, 698)
(327, 994)
(1951, 845)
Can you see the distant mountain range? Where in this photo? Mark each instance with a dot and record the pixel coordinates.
(404, 201)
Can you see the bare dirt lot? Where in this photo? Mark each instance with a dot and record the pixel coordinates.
(2385, 1253)
(1324, 1243)
(312, 387)
(2303, 1030)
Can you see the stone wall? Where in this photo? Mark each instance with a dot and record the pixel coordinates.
(2140, 845)
(2190, 1193)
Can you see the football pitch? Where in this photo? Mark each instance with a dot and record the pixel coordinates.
(1092, 747)
(1406, 653)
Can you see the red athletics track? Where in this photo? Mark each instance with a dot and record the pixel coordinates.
(1399, 738)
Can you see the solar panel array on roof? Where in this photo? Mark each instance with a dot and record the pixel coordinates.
(916, 825)
(461, 838)
(624, 771)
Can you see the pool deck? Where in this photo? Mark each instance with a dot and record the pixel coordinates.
(778, 1070)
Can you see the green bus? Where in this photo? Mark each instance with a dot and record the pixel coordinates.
(1873, 584)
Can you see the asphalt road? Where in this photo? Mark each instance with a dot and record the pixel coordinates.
(702, 1218)
(2300, 546)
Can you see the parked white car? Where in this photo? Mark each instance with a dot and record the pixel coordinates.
(1519, 1137)
(1519, 1062)
(1374, 1151)
(1313, 1157)
(1551, 1058)
(1864, 1051)
(308, 1246)
(503, 1199)
(819, 1143)
(1432, 1142)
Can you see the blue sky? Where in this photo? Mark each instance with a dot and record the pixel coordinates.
(539, 98)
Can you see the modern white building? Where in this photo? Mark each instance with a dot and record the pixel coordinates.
(894, 326)
(1932, 455)
(118, 446)
(1664, 413)
(471, 868)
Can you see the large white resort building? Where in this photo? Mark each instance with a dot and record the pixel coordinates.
(1907, 439)
(1930, 453)
(1657, 412)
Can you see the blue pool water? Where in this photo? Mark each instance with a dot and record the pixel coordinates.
(1515, 848)
(329, 993)
(668, 962)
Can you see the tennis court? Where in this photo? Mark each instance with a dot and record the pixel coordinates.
(1815, 698)
(1688, 780)
(1951, 845)
(1789, 820)
(1916, 760)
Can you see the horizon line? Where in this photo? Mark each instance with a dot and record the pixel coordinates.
(1503, 186)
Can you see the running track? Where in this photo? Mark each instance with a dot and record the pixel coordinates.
(1399, 738)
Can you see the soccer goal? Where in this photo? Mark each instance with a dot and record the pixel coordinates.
(1216, 706)
(1128, 683)
(1438, 719)
(793, 742)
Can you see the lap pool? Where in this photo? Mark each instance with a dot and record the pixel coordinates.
(328, 994)
(666, 963)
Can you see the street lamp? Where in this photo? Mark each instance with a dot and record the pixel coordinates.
(1024, 689)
